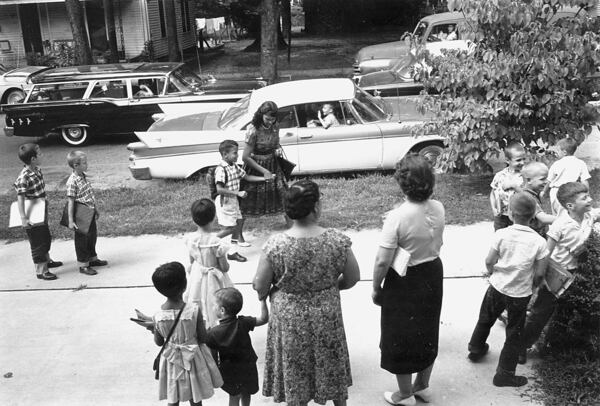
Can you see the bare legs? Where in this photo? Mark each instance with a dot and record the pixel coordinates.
(422, 379)
(243, 397)
(407, 388)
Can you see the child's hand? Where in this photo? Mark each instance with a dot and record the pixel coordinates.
(319, 114)
(73, 226)
(268, 176)
(242, 194)
(25, 222)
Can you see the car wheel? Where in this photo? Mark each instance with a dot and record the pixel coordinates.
(432, 153)
(76, 135)
(15, 96)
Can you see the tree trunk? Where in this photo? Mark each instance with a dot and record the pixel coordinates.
(268, 46)
(111, 31)
(172, 41)
(83, 54)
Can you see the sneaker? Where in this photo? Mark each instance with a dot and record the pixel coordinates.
(476, 356)
(47, 276)
(98, 262)
(236, 257)
(87, 270)
(507, 379)
(54, 264)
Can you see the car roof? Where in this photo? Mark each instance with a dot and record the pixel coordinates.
(25, 71)
(104, 71)
(446, 17)
(303, 91)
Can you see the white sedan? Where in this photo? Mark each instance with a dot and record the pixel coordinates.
(367, 138)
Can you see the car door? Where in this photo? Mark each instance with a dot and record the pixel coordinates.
(109, 104)
(144, 101)
(288, 132)
(348, 146)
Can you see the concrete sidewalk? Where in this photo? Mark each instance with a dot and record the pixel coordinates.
(72, 346)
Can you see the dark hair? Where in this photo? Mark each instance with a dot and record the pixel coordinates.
(169, 279)
(569, 145)
(510, 148)
(269, 108)
(415, 177)
(27, 152)
(226, 146)
(300, 199)
(231, 299)
(522, 205)
(203, 211)
(567, 193)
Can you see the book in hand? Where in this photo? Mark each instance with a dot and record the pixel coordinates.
(35, 210)
(557, 278)
(400, 261)
(83, 216)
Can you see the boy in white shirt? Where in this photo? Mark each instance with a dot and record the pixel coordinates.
(568, 168)
(506, 182)
(517, 255)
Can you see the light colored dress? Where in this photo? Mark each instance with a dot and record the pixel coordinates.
(187, 368)
(204, 276)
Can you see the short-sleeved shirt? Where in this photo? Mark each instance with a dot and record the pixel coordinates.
(79, 188)
(30, 183)
(500, 195)
(534, 223)
(330, 120)
(231, 339)
(518, 247)
(235, 174)
(569, 236)
(567, 169)
(416, 227)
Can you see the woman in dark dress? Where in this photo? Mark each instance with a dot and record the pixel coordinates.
(262, 148)
(411, 304)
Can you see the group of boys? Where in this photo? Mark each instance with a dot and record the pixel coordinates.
(30, 185)
(527, 240)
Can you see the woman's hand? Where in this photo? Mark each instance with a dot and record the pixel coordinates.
(377, 296)
(268, 176)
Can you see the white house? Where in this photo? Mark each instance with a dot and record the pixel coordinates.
(40, 25)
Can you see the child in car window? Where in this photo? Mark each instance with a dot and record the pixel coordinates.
(327, 118)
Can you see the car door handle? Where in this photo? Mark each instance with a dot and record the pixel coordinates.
(289, 134)
(306, 136)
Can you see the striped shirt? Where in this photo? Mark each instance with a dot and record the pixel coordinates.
(235, 173)
(30, 183)
(80, 189)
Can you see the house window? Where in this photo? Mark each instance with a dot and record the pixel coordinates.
(161, 15)
(185, 15)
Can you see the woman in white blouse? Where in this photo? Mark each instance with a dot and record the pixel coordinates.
(411, 304)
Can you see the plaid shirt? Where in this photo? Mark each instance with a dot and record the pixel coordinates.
(235, 173)
(501, 197)
(30, 183)
(79, 188)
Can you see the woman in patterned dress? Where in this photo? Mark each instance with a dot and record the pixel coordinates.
(303, 270)
(262, 148)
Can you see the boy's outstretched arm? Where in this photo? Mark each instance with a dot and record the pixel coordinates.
(254, 178)
(264, 313)
(491, 260)
(545, 218)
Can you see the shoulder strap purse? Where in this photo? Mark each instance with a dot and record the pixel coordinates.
(156, 365)
(284, 164)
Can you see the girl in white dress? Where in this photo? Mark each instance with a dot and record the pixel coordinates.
(187, 370)
(208, 257)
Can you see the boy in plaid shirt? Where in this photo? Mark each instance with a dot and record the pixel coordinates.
(30, 185)
(79, 190)
(228, 175)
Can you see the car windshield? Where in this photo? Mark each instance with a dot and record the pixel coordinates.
(370, 108)
(403, 69)
(185, 80)
(420, 30)
(231, 116)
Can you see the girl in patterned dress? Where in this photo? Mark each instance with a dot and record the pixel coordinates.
(187, 369)
(208, 257)
(262, 148)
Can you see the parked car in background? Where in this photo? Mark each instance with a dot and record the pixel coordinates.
(79, 101)
(15, 83)
(369, 136)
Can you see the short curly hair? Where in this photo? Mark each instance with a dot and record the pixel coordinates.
(169, 279)
(231, 299)
(415, 177)
(300, 199)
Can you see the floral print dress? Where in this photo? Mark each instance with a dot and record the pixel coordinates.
(306, 355)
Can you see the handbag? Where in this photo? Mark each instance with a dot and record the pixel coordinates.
(284, 164)
(156, 364)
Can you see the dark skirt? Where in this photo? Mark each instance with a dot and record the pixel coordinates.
(263, 198)
(239, 377)
(410, 318)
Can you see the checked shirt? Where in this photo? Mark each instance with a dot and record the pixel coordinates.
(235, 173)
(30, 183)
(79, 188)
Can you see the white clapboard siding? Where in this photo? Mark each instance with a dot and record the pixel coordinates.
(54, 22)
(11, 31)
(186, 39)
(133, 32)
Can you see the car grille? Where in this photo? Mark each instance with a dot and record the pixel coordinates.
(356, 68)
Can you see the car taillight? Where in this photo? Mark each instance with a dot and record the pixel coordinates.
(158, 116)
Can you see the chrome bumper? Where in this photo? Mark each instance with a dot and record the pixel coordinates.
(140, 173)
(9, 131)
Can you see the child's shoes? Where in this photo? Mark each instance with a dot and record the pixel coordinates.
(47, 276)
(236, 257)
(476, 356)
(98, 262)
(87, 270)
(509, 379)
(54, 264)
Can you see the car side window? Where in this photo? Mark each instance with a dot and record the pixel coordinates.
(348, 113)
(58, 91)
(145, 87)
(111, 89)
(286, 117)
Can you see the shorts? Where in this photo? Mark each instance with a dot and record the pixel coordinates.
(229, 212)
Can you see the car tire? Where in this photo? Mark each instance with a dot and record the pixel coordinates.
(15, 96)
(75, 136)
(432, 153)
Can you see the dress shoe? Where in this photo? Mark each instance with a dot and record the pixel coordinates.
(87, 270)
(424, 395)
(236, 257)
(507, 379)
(47, 276)
(476, 356)
(98, 262)
(409, 401)
(54, 264)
